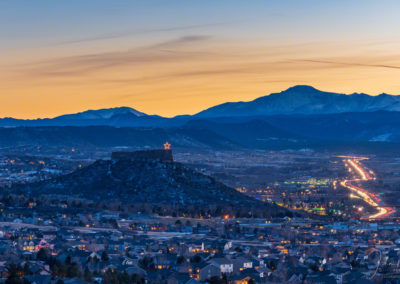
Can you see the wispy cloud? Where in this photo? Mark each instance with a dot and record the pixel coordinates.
(84, 64)
(350, 64)
(212, 71)
(116, 35)
(181, 40)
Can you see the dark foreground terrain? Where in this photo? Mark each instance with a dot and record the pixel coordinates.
(168, 185)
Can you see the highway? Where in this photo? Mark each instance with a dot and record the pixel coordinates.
(354, 166)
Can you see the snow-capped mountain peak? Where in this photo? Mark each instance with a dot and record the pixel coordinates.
(102, 113)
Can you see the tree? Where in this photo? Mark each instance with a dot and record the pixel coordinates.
(271, 265)
(73, 271)
(136, 279)
(42, 254)
(218, 280)
(87, 275)
(355, 264)
(104, 256)
(181, 259)
(13, 280)
(68, 260)
(146, 263)
(238, 249)
(114, 223)
(195, 259)
(14, 274)
(27, 269)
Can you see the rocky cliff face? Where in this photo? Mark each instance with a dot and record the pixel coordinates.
(160, 155)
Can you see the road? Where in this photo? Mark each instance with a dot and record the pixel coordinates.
(355, 166)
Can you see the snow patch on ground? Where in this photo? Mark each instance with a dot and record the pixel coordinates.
(381, 138)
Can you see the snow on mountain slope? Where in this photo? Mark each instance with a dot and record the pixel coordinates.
(102, 113)
(305, 100)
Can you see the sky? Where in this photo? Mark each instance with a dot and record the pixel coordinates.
(180, 57)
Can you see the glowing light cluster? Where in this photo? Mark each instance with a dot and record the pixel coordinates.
(354, 164)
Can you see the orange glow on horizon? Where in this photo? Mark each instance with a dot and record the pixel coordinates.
(183, 78)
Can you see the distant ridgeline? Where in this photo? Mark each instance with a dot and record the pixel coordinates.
(161, 155)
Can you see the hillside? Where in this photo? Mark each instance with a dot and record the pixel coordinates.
(254, 133)
(105, 136)
(149, 182)
(276, 132)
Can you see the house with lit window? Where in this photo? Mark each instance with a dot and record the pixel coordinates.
(225, 265)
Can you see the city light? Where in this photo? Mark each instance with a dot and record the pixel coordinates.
(368, 197)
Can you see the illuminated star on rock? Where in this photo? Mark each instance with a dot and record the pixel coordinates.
(167, 146)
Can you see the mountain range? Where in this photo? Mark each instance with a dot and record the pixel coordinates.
(299, 117)
(305, 100)
(300, 99)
